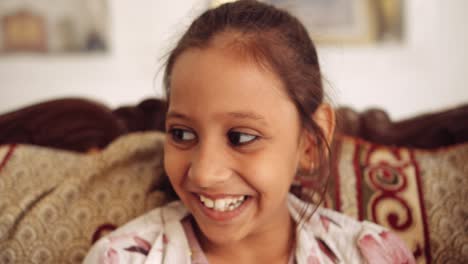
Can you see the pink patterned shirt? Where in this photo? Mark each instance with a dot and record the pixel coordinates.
(165, 235)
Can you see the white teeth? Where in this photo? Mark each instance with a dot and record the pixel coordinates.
(209, 203)
(222, 205)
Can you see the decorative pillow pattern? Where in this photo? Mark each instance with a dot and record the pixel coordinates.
(54, 204)
(445, 188)
(419, 195)
(382, 184)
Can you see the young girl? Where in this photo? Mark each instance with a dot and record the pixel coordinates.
(245, 116)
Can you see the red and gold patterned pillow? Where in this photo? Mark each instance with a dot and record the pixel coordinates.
(419, 195)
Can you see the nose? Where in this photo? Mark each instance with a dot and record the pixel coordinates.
(209, 167)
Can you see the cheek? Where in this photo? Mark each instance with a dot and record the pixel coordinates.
(271, 172)
(174, 164)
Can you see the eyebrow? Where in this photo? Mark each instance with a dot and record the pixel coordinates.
(172, 114)
(237, 115)
(248, 115)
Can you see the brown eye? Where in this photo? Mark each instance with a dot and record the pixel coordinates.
(239, 139)
(181, 135)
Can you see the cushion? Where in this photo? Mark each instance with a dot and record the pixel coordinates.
(54, 204)
(419, 195)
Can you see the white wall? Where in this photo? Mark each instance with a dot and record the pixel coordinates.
(427, 73)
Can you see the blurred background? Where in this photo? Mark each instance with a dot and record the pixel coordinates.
(404, 56)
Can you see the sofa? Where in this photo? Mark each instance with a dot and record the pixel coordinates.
(73, 169)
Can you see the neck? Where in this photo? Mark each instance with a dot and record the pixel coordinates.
(253, 249)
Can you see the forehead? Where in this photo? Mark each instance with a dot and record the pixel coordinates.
(215, 80)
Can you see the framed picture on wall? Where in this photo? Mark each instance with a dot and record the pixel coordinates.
(49, 26)
(335, 21)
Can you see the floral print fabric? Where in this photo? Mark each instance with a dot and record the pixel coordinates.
(164, 235)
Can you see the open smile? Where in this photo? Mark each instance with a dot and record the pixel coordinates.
(224, 208)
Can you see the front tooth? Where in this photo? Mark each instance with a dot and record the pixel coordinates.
(220, 204)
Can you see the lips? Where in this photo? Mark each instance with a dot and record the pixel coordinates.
(223, 208)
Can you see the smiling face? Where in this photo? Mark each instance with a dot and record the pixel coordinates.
(232, 132)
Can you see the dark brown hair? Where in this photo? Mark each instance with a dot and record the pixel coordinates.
(274, 39)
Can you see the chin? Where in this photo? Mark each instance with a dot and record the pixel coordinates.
(220, 236)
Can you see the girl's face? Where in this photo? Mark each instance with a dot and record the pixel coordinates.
(233, 144)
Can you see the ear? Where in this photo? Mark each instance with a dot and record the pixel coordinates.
(324, 117)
